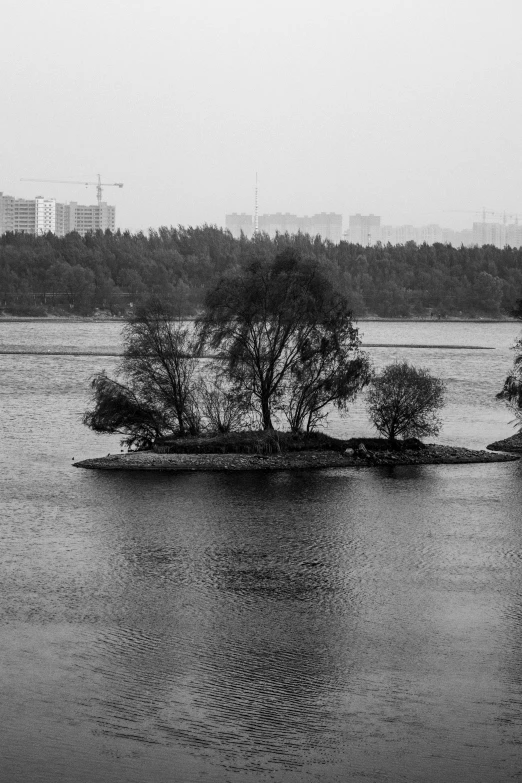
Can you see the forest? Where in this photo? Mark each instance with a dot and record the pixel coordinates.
(106, 273)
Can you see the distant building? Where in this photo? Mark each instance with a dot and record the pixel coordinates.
(17, 214)
(514, 235)
(80, 218)
(41, 215)
(430, 234)
(488, 234)
(328, 225)
(239, 223)
(45, 215)
(280, 223)
(363, 229)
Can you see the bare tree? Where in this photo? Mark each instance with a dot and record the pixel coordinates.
(269, 318)
(330, 370)
(222, 410)
(155, 392)
(160, 365)
(404, 401)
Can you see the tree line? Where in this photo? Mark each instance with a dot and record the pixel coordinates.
(109, 272)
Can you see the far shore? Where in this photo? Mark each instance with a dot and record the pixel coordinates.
(367, 319)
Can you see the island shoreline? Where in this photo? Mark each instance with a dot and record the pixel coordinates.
(432, 454)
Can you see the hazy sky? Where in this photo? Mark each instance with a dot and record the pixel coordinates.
(404, 108)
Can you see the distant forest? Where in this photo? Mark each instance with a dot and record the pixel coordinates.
(109, 272)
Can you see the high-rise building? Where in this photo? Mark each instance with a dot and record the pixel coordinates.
(45, 215)
(17, 214)
(514, 235)
(41, 215)
(239, 223)
(327, 225)
(363, 229)
(489, 234)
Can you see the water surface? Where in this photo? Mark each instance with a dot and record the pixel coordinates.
(351, 624)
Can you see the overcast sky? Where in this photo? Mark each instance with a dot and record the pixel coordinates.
(403, 108)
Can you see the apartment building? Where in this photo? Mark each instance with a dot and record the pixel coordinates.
(363, 229)
(240, 223)
(42, 215)
(328, 225)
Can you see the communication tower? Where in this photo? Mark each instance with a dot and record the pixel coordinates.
(256, 216)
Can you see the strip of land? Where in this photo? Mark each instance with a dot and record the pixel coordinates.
(432, 454)
(512, 444)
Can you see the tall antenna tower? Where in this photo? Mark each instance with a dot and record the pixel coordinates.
(256, 216)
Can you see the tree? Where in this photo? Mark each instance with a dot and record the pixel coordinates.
(117, 409)
(221, 409)
(403, 401)
(512, 390)
(516, 312)
(157, 393)
(159, 362)
(329, 370)
(267, 321)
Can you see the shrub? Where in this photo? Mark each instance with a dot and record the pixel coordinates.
(404, 401)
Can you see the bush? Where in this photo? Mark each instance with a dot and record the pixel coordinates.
(222, 410)
(404, 401)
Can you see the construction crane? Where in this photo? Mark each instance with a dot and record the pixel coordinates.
(484, 213)
(98, 185)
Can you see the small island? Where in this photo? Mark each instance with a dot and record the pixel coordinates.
(286, 451)
(275, 345)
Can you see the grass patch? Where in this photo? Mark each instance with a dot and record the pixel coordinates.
(250, 442)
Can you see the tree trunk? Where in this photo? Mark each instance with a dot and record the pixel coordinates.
(267, 419)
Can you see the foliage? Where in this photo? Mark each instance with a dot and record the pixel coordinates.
(516, 312)
(404, 401)
(117, 409)
(268, 320)
(330, 369)
(108, 271)
(159, 363)
(157, 391)
(511, 392)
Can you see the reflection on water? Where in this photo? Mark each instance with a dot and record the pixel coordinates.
(295, 626)
(356, 624)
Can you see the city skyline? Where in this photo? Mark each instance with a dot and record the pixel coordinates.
(450, 218)
(42, 214)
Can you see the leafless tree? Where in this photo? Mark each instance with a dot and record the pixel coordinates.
(267, 320)
(155, 391)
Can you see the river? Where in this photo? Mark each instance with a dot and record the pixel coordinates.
(349, 624)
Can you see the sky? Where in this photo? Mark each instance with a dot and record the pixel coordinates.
(409, 109)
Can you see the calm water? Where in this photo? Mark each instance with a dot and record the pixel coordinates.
(361, 625)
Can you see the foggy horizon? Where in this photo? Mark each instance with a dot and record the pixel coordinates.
(400, 109)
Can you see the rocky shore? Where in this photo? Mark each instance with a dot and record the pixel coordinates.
(432, 454)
